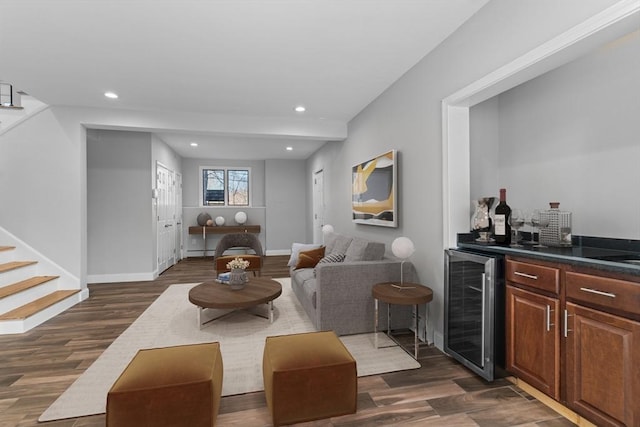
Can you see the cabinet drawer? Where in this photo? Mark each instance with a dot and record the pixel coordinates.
(619, 295)
(534, 275)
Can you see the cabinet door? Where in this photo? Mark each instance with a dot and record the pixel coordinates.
(533, 339)
(603, 370)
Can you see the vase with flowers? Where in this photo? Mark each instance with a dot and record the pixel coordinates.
(238, 275)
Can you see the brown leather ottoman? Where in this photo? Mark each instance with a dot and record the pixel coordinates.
(172, 386)
(308, 377)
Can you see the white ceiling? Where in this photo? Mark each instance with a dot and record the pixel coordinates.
(254, 58)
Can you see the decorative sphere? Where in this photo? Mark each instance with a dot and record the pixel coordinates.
(402, 247)
(241, 218)
(209, 222)
(203, 218)
(327, 228)
(219, 220)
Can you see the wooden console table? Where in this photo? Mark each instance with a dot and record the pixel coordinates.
(221, 229)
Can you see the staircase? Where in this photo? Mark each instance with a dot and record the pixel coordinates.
(28, 298)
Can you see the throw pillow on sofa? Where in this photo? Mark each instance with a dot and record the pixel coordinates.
(332, 258)
(296, 248)
(309, 259)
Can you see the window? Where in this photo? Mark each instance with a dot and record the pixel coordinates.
(225, 186)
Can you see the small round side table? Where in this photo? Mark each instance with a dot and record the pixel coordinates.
(401, 294)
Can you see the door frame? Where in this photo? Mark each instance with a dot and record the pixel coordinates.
(318, 205)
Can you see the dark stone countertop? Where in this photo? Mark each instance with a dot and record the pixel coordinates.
(614, 255)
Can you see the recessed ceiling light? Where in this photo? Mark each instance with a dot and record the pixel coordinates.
(300, 109)
(194, 144)
(289, 148)
(111, 95)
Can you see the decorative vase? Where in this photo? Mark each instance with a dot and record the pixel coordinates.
(481, 221)
(237, 278)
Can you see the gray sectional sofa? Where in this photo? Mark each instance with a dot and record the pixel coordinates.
(337, 295)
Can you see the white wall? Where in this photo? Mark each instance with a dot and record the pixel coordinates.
(42, 179)
(408, 117)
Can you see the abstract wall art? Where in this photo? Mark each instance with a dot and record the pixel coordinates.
(374, 191)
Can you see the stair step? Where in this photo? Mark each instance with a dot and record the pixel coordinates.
(6, 248)
(8, 266)
(24, 285)
(40, 304)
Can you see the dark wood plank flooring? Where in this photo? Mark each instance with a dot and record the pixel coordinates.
(37, 366)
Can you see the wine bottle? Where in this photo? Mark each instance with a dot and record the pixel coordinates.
(501, 219)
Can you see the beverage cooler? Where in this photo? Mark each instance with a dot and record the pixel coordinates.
(474, 311)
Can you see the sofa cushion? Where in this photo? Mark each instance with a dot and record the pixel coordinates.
(305, 280)
(296, 248)
(337, 243)
(309, 289)
(302, 275)
(331, 258)
(309, 259)
(364, 250)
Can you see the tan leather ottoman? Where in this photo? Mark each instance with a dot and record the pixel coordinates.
(308, 377)
(255, 263)
(172, 386)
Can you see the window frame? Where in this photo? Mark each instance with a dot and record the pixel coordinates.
(226, 170)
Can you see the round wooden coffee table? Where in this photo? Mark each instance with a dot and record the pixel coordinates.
(214, 295)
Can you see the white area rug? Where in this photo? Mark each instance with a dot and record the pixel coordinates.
(172, 320)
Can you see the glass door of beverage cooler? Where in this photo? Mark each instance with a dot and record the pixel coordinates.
(472, 320)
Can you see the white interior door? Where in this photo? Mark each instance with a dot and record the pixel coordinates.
(165, 185)
(318, 205)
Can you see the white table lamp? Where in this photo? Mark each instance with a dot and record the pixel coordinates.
(402, 248)
(327, 228)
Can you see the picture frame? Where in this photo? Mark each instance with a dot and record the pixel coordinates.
(374, 190)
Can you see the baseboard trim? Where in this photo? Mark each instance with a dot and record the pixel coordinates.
(551, 403)
(123, 277)
(275, 252)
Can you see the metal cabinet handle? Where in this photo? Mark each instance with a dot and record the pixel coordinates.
(528, 276)
(566, 323)
(475, 288)
(597, 292)
(549, 324)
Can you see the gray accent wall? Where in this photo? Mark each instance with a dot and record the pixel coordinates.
(122, 243)
(408, 117)
(484, 150)
(572, 136)
(48, 151)
(286, 204)
(278, 203)
(194, 244)
(119, 207)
